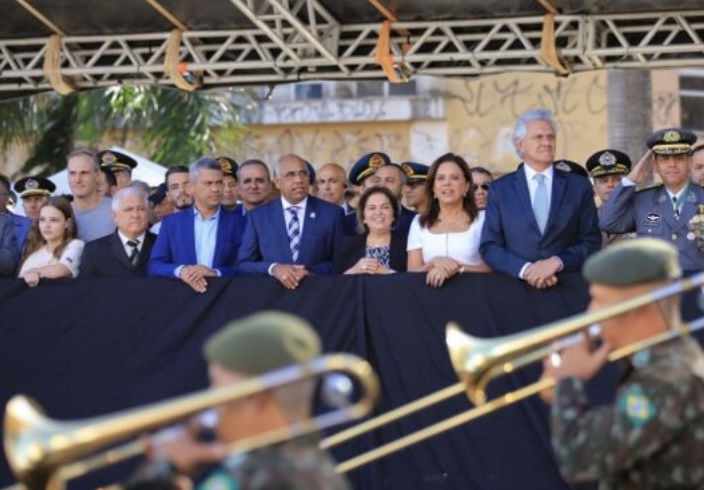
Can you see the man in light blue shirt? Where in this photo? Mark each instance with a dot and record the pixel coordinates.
(202, 241)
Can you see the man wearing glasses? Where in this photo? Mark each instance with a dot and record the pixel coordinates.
(293, 236)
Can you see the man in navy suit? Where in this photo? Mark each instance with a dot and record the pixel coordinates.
(293, 236)
(125, 252)
(539, 221)
(201, 241)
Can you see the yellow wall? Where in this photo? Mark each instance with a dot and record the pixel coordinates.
(479, 118)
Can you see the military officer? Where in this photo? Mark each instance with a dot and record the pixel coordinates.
(607, 168)
(120, 164)
(229, 178)
(244, 349)
(671, 211)
(652, 436)
(414, 193)
(34, 192)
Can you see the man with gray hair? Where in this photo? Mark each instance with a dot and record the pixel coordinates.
(90, 207)
(202, 241)
(539, 222)
(125, 252)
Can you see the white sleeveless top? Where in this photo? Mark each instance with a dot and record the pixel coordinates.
(462, 246)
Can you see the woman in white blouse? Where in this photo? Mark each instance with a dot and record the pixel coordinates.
(52, 249)
(444, 241)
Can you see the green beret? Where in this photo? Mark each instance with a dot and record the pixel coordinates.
(263, 342)
(632, 262)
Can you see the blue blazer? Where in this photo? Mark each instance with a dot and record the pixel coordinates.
(511, 236)
(22, 226)
(175, 245)
(266, 241)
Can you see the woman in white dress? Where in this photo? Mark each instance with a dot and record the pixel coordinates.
(444, 241)
(52, 249)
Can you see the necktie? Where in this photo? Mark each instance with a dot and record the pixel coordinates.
(675, 207)
(540, 202)
(134, 256)
(294, 232)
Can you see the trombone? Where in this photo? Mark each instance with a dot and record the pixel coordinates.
(43, 453)
(478, 361)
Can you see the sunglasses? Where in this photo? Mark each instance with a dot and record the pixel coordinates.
(482, 186)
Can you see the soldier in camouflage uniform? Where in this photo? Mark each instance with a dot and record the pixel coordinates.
(249, 347)
(653, 434)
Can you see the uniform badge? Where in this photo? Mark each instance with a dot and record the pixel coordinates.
(108, 158)
(635, 405)
(653, 217)
(563, 166)
(607, 159)
(31, 184)
(376, 161)
(671, 136)
(408, 169)
(225, 165)
(696, 227)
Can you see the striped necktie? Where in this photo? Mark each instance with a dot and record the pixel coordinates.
(294, 232)
(134, 256)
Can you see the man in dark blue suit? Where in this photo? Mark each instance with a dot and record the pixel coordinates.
(21, 223)
(539, 221)
(201, 241)
(293, 236)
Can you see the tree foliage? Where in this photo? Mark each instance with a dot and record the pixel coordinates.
(174, 127)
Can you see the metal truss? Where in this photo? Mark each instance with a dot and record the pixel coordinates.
(299, 40)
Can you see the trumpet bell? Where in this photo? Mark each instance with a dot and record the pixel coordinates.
(468, 361)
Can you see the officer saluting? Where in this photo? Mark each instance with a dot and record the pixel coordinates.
(671, 211)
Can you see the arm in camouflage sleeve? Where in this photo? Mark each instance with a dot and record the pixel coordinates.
(592, 444)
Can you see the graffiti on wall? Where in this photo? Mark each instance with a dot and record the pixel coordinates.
(479, 115)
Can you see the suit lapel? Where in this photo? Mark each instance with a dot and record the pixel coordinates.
(188, 218)
(310, 223)
(118, 250)
(520, 186)
(278, 230)
(221, 235)
(559, 185)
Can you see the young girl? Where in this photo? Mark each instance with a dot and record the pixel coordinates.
(52, 249)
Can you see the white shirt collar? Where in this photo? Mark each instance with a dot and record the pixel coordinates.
(530, 172)
(124, 238)
(301, 205)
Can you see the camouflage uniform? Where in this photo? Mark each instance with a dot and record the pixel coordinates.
(293, 465)
(651, 437)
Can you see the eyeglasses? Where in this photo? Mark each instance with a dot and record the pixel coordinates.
(483, 186)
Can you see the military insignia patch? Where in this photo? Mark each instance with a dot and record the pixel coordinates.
(376, 161)
(563, 166)
(407, 169)
(225, 165)
(108, 158)
(31, 184)
(607, 159)
(671, 136)
(635, 405)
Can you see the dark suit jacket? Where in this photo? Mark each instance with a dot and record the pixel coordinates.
(266, 241)
(9, 257)
(22, 226)
(354, 248)
(176, 246)
(511, 236)
(405, 218)
(106, 257)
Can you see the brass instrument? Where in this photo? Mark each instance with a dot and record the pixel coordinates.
(478, 361)
(43, 453)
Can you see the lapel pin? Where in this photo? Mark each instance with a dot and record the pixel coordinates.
(311, 215)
